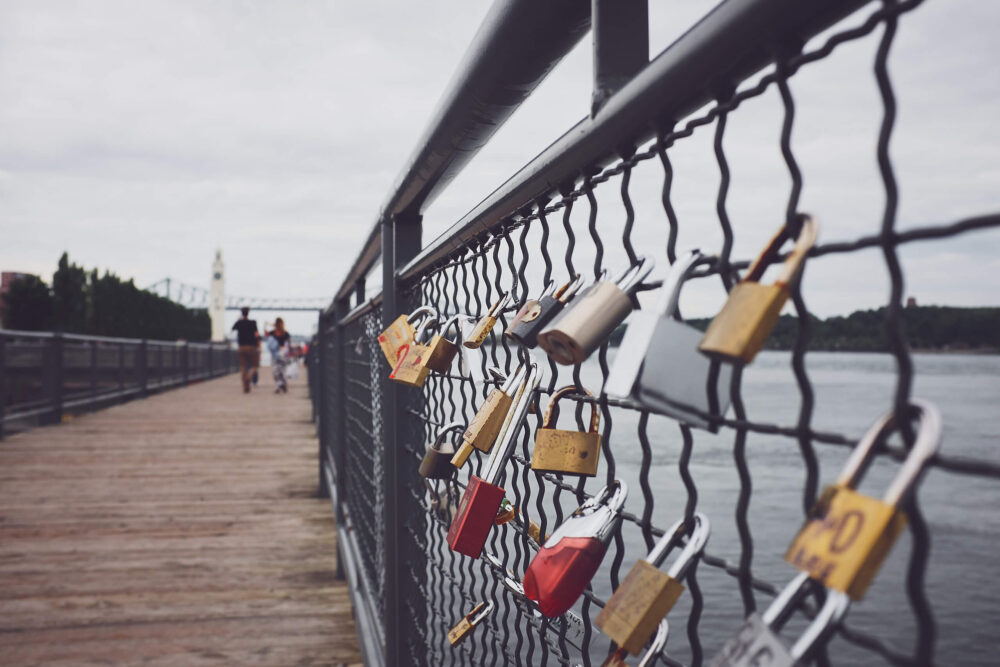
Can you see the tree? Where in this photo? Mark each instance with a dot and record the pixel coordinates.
(69, 297)
(27, 305)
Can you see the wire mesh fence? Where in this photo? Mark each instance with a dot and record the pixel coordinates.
(572, 231)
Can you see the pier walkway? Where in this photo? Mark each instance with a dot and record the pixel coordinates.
(183, 529)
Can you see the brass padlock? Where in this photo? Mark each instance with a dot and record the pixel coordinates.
(485, 426)
(617, 659)
(465, 627)
(847, 535)
(486, 323)
(572, 452)
(647, 594)
(437, 460)
(739, 330)
(537, 313)
(411, 367)
(588, 321)
(442, 350)
(401, 332)
(443, 504)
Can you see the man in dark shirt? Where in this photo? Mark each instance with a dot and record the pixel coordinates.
(246, 338)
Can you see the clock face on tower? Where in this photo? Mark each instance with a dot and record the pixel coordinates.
(217, 276)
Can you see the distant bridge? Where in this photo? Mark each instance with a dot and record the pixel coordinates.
(193, 296)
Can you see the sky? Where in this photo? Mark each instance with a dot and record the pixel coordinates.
(140, 137)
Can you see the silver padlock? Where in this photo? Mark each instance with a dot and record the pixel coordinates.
(590, 318)
(617, 659)
(658, 363)
(757, 643)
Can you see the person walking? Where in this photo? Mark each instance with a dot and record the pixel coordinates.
(278, 345)
(247, 341)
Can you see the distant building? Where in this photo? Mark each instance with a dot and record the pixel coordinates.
(911, 302)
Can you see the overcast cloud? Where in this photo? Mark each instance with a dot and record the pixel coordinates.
(141, 136)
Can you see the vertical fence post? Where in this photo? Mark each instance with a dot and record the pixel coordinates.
(405, 643)
(141, 357)
(121, 366)
(93, 370)
(184, 363)
(56, 376)
(317, 379)
(211, 348)
(3, 380)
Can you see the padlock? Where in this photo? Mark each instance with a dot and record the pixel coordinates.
(468, 623)
(658, 365)
(442, 350)
(580, 329)
(847, 535)
(486, 323)
(758, 645)
(617, 659)
(401, 332)
(505, 514)
(411, 367)
(443, 504)
(571, 452)
(537, 313)
(562, 568)
(648, 594)
(483, 496)
(485, 426)
(437, 460)
(738, 331)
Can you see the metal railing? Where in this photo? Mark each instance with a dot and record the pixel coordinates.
(408, 587)
(45, 376)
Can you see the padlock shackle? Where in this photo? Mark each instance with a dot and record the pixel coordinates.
(925, 446)
(569, 289)
(500, 304)
(481, 611)
(692, 550)
(454, 320)
(426, 324)
(422, 311)
(598, 517)
(659, 642)
(832, 611)
(635, 274)
(550, 288)
(455, 426)
(677, 275)
(512, 381)
(571, 390)
(515, 415)
(793, 263)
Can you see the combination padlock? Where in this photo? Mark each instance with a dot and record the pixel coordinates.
(757, 643)
(411, 367)
(469, 622)
(562, 568)
(847, 535)
(401, 332)
(617, 659)
(738, 332)
(581, 328)
(658, 364)
(437, 460)
(486, 323)
(443, 351)
(648, 594)
(570, 452)
(484, 428)
(537, 313)
(483, 496)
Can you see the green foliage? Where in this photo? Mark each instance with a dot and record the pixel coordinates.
(99, 305)
(28, 305)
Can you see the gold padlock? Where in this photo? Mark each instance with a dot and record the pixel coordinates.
(590, 319)
(847, 535)
(442, 350)
(468, 623)
(401, 332)
(647, 594)
(484, 428)
(486, 324)
(572, 452)
(738, 331)
(411, 367)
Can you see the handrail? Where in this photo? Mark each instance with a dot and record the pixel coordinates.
(519, 42)
(87, 338)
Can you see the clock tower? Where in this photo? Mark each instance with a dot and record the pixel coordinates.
(217, 298)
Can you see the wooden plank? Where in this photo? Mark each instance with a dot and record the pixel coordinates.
(182, 529)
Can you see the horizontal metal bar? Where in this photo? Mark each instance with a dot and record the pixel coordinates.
(518, 43)
(733, 41)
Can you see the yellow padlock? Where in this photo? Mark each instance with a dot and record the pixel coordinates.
(485, 426)
(486, 324)
(443, 351)
(847, 535)
(411, 367)
(738, 332)
(401, 332)
(464, 628)
(572, 452)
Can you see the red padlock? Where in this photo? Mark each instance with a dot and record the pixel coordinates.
(481, 501)
(567, 562)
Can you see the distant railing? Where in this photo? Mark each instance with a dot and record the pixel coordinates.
(45, 376)
(543, 224)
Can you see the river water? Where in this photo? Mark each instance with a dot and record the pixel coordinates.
(851, 390)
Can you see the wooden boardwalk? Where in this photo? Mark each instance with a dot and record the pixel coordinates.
(182, 529)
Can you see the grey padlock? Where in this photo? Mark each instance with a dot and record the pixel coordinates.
(757, 643)
(658, 363)
(590, 318)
